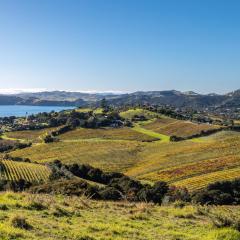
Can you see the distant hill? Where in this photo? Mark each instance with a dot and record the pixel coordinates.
(66, 96)
(171, 97)
(174, 98)
(9, 100)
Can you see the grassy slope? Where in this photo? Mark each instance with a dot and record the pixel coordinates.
(161, 137)
(77, 218)
(129, 114)
(28, 135)
(84, 110)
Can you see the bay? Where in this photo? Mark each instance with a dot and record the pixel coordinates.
(22, 110)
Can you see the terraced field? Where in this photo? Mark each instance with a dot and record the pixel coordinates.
(13, 171)
(170, 127)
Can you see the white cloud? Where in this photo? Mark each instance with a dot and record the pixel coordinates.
(33, 90)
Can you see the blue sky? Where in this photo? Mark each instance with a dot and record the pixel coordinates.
(120, 45)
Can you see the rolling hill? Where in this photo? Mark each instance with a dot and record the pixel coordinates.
(144, 151)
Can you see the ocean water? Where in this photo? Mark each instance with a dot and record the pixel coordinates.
(20, 110)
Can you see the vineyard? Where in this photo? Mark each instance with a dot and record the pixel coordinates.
(13, 171)
(135, 152)
(106, 133)
(186, 161)
(199, 182)
(170, 127)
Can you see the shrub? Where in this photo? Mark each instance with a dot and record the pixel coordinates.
(118, 185)
(20, 222)
(36, 206)
(61, 212)
(178, 194)
(3, 207)
(48, 139)
(110, 193)
(219, 193)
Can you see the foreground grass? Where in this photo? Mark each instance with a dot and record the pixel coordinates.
(77, 218)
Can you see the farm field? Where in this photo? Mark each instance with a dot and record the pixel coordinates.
(172, 127)
(161, 160)
(198, 182)
(106, 133)
(78, 218)
(109, 155)
(13, 171)
(173, 162)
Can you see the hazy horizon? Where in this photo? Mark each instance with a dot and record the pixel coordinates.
(19, 91)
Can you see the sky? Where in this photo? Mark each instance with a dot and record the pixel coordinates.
(120, 45)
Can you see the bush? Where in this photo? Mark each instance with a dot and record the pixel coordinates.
(118, 185)
(20, 222)
(219, 193)
(110, 193)
(3, 207)
(61, 212)
(178, 194)
(17, 186)
(36, 206)
(48, 139)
